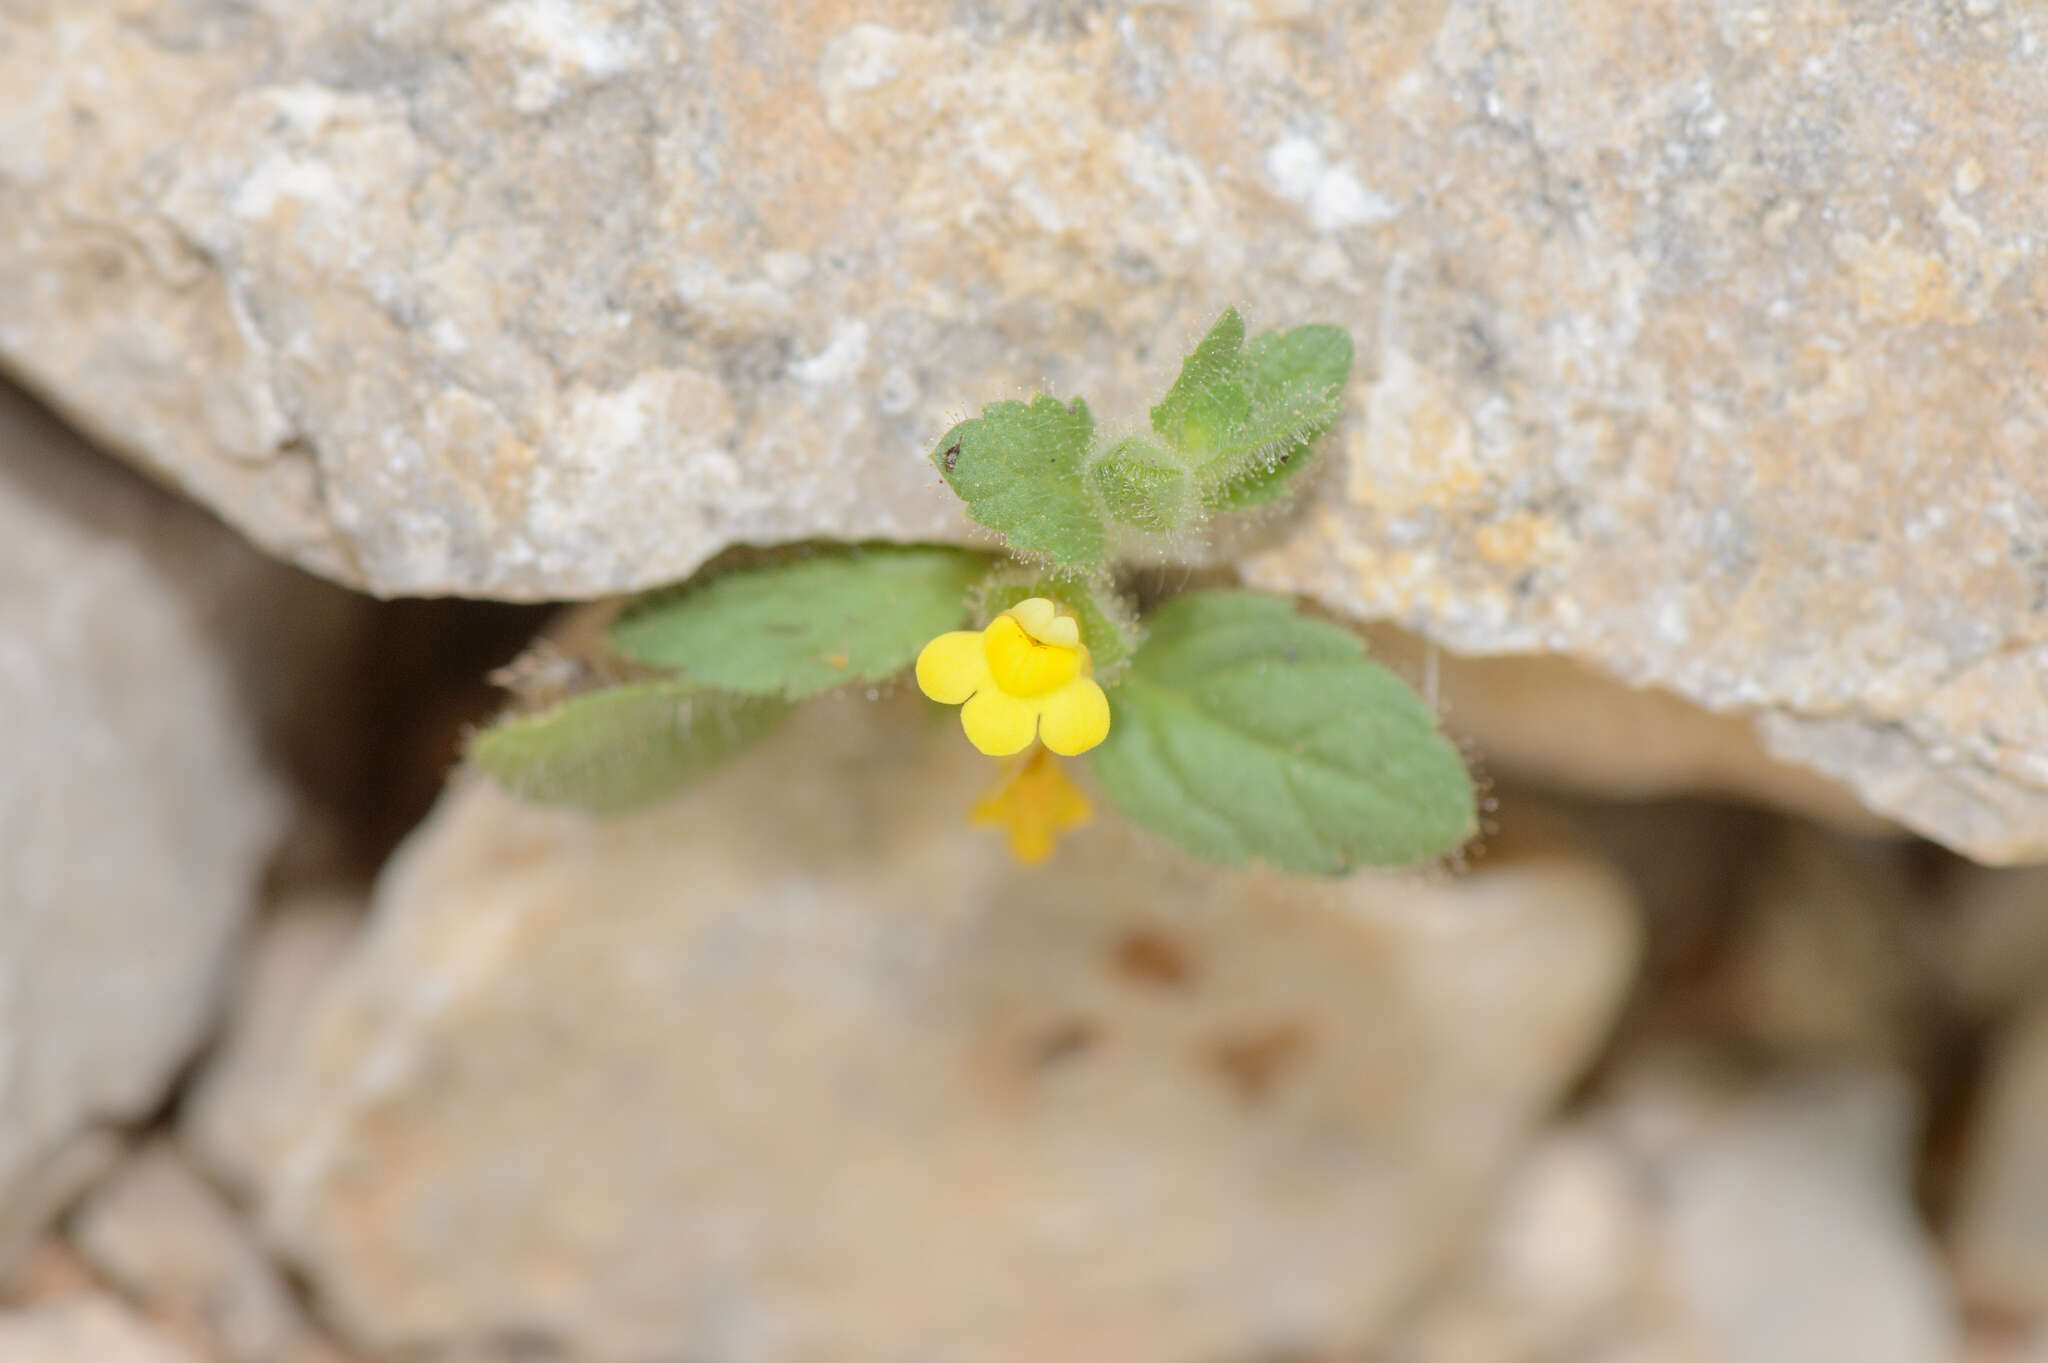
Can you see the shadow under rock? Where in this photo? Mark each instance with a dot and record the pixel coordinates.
(360, 704)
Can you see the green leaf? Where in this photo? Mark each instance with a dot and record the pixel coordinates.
(609, 751)
(853, 613)
(1108, 625)
(1242, 410)
(1209, 400)
(1296, 379)
(1019, 469)
(1244, 730)
(1142, 485)
(1298, 375)
(1261, 483)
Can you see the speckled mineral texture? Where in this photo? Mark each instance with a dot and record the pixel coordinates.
(1700, 342)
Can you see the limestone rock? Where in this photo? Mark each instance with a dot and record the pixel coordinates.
(1700, 345)
(43, 1189)
(2001, 1232)
(51, 1270)
(802, 1067)
(84, 1329)
(1793, 1235)
(232, 1112)
(1564, 726)
(167, 1241)
(1699, 1211)
(136, 805)
(1995, 1345)
(1570, 1231)
(1558, 1271)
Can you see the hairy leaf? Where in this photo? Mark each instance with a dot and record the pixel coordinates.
(1245, 731)
(1261, 483)
(1142, 485)
(1020, 469)
(1242, 411)
(1209, 401)
(610, 751)
(852, 613)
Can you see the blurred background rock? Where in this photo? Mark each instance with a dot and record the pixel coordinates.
(1696, 467)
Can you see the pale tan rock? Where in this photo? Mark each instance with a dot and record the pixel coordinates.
(1699, 1210)
(1698, 345)
(1949, 787)
(1790, 1226)
(49, 1271)
(1992, 1342)
(1545, 719)
(45, 1188)
(2001, 1233)
(1557, 1271)
(167, 1241)
(147, 657)
(802, 1067)
(91, 1328)
(232, 1114)
(1567, 1237)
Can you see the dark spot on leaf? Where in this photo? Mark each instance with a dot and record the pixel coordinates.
(1253, 1062)
(952, 456)
(1291, 654)
(1153, 958)
(785, 629)
(1064, 1041)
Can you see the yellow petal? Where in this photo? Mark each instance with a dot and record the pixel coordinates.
(1031, 837)
(953, 667)
(1042, 620)
(1051, 792)
(1074, 718)
(1034, 804)
(1031, 846)
(993, 808)
(1066, 806)
(997, 723)
(1021, 665)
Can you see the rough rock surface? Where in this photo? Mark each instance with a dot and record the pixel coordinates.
(136, 807)
(808, 1069)
(1700, 343)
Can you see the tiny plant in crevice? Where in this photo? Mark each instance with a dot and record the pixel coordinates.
(1226, 721)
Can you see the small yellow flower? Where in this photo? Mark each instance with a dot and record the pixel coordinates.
(1027, 675)
(1034, 805)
